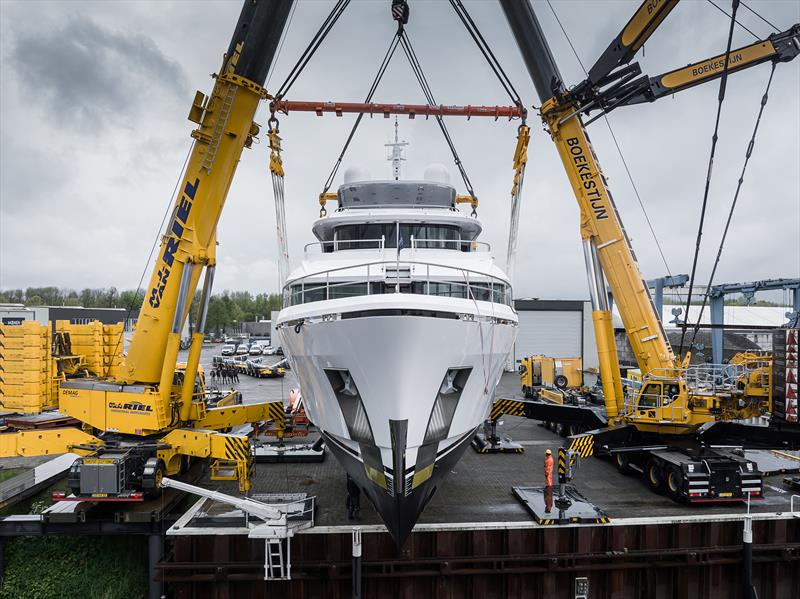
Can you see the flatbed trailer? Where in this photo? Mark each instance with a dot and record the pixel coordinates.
(708, 466)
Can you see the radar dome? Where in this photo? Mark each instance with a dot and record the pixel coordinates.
(356, 173)
(437, 173)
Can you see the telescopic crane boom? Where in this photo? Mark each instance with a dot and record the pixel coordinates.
(673, 406)
(140, 424)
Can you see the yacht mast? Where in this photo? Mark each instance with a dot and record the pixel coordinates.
(396, 153)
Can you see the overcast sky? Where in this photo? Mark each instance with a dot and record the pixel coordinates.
(93, 134)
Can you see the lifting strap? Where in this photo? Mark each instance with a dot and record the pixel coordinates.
(276, 169)
(324, 196)
(520, 160)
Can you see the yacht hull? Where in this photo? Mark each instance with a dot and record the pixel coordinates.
(398, 391)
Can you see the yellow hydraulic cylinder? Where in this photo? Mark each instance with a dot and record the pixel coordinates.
(609, 363)
(168, 369)
(191, 373)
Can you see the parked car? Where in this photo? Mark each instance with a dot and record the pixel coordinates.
(228, 349)
(269, 350)
(255, 350)
(230, 340)
(242, 350)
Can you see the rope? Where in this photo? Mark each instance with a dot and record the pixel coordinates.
(384, 64)
(312, 47)
(759, 16)
(727, 14)
(747, 156)
(720, 99)
(520, 161)
(479, 40)
(276, 168)
(426, 90)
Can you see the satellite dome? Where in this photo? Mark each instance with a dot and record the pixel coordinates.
(437, 173)
(356, 173)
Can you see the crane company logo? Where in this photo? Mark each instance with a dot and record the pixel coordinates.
(71, 392)
(172, 241)
(715, 64)
(587, 179)
(132, 407)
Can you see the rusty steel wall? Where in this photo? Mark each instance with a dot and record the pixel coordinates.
(683, 561)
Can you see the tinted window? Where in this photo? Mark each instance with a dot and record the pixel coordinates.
(354, 237)
(430, 236)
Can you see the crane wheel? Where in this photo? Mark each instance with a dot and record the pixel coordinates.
(653, 476)
(674, 483)
(153, 473)
(560, 381)
(623, 463)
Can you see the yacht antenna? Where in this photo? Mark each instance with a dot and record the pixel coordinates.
(396, 153)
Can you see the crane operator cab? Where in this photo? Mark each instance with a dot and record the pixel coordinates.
(655, 395)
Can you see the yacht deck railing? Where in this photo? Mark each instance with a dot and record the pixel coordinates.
(397, 276)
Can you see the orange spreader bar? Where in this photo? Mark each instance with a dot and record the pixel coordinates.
(412, 110)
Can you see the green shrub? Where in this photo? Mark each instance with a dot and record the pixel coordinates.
(87, 567)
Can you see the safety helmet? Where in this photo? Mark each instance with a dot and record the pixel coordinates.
(548, 452)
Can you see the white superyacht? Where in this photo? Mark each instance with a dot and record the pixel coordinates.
(397, 324)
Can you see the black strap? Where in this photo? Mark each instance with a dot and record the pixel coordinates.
(720, 99)
(479, 40)
(312, 47)
(747, 156)
(426, 90)
(386, 59)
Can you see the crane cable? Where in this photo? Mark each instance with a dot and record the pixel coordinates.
(720, 99)
(523, 132)
(747, 156)
(619, 151)
(408, 49)
(275, 161)
(312, 47)
(381, 70)
(483, 46)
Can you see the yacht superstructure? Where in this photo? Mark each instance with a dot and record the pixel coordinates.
(397, 324)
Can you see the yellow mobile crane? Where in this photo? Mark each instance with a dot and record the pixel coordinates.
(674, 401)
(138, 426)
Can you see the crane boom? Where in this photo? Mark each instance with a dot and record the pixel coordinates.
(607, 248)
(226, 127)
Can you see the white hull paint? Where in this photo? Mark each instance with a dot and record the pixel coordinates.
(398, 363)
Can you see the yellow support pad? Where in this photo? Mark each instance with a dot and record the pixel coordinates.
(211, 444)
(47, 442)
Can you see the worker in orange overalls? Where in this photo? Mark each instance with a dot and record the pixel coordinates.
(548, 481)
(548, 468)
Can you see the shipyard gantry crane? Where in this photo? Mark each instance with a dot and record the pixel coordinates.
(141, 424)
(675, 400)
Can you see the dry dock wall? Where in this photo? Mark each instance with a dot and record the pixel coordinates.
(701, 559)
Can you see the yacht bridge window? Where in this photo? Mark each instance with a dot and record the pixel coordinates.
(418, 235)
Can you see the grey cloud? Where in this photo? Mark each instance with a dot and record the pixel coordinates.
(86, 75)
